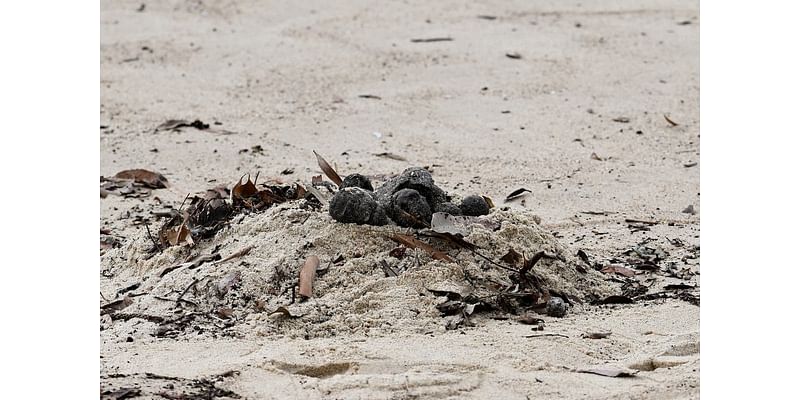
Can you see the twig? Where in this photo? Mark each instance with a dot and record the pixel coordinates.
(194, 282)
(158, 245)
(547, 334)
(639, 221)
(184, 201)
(239, 253)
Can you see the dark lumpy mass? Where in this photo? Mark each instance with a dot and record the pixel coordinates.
(408, 199)
(357, 180)
(474, 206)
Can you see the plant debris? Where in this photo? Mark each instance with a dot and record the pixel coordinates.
(623, 120)
(307, 275)
(611, 372)
(516, 194)
(433, 39)
(671, 122)
(328, 170)
(514, 55)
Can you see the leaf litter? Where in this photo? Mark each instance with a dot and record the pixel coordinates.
(504, 262)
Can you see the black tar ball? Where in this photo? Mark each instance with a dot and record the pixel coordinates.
(410, 209)
(357, 180)
(556, 307)
(447, 207)
(474, 206)
(353, 205)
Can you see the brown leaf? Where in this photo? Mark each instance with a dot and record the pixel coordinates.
(512, 257)
(489, 201)
(285, 312)
(612, 372)
(244, 190)
(307, 275)
(179, 235)
(225, 312)
(328, 170)
(147, 178)
(414, 243)
(616, 269)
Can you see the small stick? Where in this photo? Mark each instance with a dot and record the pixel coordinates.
(158, 245)
(631, 220)
(194, 282)
(547, 334)
(184, 201)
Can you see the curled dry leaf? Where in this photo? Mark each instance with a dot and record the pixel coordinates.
(285, 312)
(244, 190)
(147, 178)
(616, 269)
(414, 243)
(517, 193)
(179, 235)
(307, 275)
(328, 170)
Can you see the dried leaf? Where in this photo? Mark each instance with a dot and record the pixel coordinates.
(616, 269)
(596, 335)
(612, 372)
(387, 269)
(489, 201)
(414, 243)
(517, 193)
(285, 312)
(512, 257)
(615, 299)
(398, 252)
(116, 305)
(147, 178)
(173, 124)
(328, 170)
(179, 235)
(307, 275)
(244, 190)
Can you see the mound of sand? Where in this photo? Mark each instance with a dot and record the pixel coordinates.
(352, 292)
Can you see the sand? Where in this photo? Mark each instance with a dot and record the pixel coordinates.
(289, 78)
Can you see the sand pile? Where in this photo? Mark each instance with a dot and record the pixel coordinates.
(355, 290)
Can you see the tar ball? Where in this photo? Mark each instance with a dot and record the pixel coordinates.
(474, 206)
(410, 209)
(556, 307)
(357, 180)
(447, 207)
(353, 205)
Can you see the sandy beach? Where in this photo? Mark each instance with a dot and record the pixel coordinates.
(592, 107)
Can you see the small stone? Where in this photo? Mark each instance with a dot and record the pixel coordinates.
(410, 209)
(447, 207)
(556, 307)
(474, 206)
(357, 180)
(353, 205)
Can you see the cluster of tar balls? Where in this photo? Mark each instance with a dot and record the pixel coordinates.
(408, 200)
